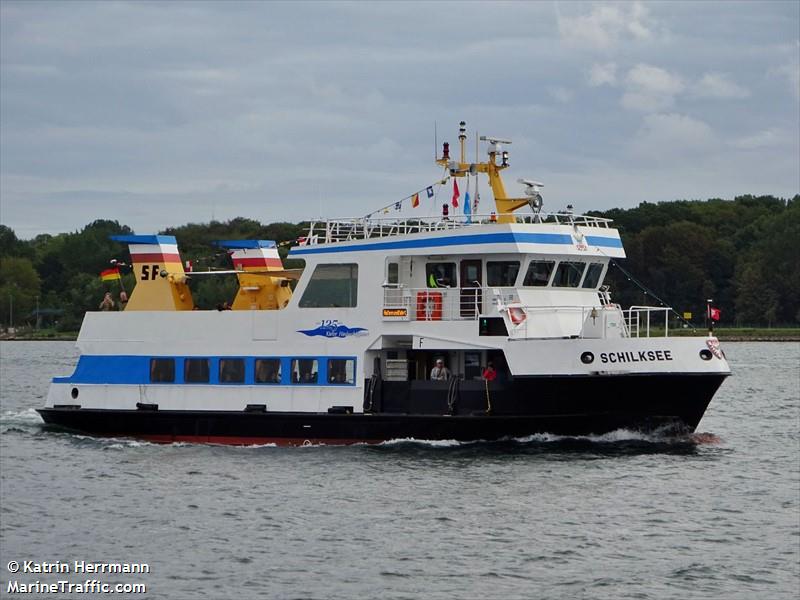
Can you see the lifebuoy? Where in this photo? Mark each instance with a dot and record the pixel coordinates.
(516, 314)
(429, 306)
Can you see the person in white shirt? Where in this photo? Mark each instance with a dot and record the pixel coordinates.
(440, 372)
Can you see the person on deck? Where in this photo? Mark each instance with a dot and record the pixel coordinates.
(489, 374)
(107, 303)
(440, 372)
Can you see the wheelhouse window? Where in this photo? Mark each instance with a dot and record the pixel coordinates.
(502, 273)
(195, 370)
(231, 370)
(305, 370)
(268, 370)
(341, 371)
(162, 370)
(568, 274)
(331, 286)
(592, 279)
(539, 272)
(441, 275)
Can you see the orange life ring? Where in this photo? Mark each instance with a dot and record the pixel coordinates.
(429, 306)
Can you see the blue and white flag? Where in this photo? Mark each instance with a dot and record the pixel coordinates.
(429, 191)
(468, 207)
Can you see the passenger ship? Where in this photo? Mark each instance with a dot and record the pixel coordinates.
(344, 353)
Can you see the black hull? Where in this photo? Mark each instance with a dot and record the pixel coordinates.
(431, 411)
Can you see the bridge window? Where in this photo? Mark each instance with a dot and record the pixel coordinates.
(305, 370)
(441, 275)
(568, 274)
(231, 370)
(162, 370)
(195, 370)
(502, 274)
(539, 272)
(331, 286)
(268, 370)
(592, 278)
(341, 370)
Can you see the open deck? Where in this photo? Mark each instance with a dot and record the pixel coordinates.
(328, 231)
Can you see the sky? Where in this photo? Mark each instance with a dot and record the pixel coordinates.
(158, 114)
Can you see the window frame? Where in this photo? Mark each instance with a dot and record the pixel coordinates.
(599, 276)
(429, 273)
(502, 262)
(313, 282)
(225, 359)
(567, 263)
(186, 362)
(154, 360)
(552, 262)
(280, 370)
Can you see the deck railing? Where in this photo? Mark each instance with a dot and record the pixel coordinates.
(523, 321)
(343, 230)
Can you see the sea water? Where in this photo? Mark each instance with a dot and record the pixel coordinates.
(623, 515)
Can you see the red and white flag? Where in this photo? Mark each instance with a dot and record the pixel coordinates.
(714, 313)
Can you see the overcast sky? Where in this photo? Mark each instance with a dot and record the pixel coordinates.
(159, 114)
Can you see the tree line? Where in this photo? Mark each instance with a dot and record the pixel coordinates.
(740, 253)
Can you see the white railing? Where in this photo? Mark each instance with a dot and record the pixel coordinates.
(342, 230)
(442, 304)
(641, 319)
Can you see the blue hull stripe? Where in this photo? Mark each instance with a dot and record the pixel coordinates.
(464, 240)
(135, 370)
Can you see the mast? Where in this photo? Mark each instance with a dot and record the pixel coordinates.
(505, 205)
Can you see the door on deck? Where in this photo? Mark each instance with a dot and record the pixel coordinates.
(471, 284)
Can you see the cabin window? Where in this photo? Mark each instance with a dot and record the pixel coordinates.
(568, 274)
(502, 274)
(341, 370)
(441, 275)
(592, 278)
(268, 370)
(539, 272)
(305, 370)
(162, 370)
(231, 370)
(195, 370)
(331, 286)
(393, 273)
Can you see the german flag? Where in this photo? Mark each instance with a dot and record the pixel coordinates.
(110, 274)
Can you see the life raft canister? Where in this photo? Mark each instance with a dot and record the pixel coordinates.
(429, 306)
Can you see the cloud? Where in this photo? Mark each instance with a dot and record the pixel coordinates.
(606, 25)
(767, 138)
(672, 135)
(605, 74)
(718, 85)
(791, 73)
(650, 89)
(560, 93)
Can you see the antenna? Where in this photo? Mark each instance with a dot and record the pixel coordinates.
(435, 141)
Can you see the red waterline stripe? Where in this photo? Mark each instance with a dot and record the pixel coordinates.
(155, 257)
(231, 440)
(258, 262)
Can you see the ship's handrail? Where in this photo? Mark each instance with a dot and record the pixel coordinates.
(327, 231)
(642, 320)
(470, 303)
